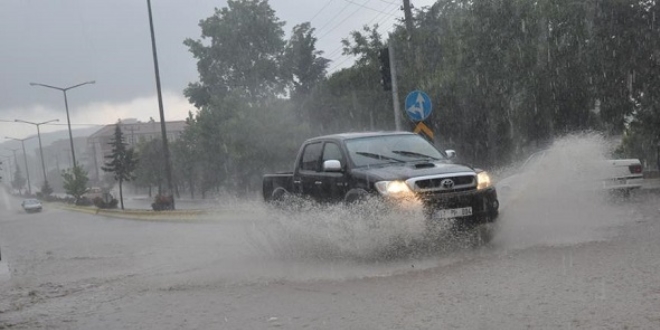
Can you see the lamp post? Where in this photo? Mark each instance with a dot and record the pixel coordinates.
(41, 151)
(27, 171)
(8, 158)
(66, 105)
(166, 150)
(13, 151)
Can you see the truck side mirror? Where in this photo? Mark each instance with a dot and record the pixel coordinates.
(450, 153)
(331, 166)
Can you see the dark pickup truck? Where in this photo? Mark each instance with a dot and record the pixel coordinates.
(396, 166)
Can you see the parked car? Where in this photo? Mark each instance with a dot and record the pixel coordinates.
(612, 175)
(31, 205)
(623, 175)
(397, 167)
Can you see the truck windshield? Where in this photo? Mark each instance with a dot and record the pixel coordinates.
(384, 149)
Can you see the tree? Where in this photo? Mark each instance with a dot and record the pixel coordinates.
(149, 171)
(19, 181)
(75, 181)
(303, 64)
(122, 162)
(46, 189)
(245, 43)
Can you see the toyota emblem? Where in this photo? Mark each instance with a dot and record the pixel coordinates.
(447, 184)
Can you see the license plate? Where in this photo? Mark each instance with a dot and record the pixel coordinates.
(453, 213)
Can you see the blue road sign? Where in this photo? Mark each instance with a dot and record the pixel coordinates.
(418, 105)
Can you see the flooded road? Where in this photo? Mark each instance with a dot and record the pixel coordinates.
(562, 256)
(78, 271)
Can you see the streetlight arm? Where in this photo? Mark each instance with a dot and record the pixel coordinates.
(85, 83)
(63, 89)
(37, 124)
(47, 86)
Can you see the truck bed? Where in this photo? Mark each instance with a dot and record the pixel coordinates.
(274, 181)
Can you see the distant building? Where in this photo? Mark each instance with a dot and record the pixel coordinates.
(134, 131)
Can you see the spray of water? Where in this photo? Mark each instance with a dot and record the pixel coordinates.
(370, 230)
(555, 200)
(558, 197)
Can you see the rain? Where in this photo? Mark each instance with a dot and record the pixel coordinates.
(211, 196)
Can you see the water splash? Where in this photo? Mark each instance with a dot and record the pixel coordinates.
(557, 198)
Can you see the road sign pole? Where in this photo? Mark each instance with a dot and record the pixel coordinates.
(395, 88)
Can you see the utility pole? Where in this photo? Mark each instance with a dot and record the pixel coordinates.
(407, 15)
(410, 31)
(395, 86)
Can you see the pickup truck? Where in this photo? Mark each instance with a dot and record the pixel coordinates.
(394, 166)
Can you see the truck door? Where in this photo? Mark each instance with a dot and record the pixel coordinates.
(306, 180)
(333, 183)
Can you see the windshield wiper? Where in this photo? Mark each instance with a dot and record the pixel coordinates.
(378, 156)
(414, 154)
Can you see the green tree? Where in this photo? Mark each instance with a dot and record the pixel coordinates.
(239, 53)
(46, 189)
(122, 161)
(75, 181)
(19, 181)
(186, 158)
(303, 63)
(149, 171)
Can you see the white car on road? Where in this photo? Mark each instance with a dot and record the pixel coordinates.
(31, 205)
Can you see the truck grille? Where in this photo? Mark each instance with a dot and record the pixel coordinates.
(444, 183)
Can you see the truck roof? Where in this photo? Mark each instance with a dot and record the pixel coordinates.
(355, 135)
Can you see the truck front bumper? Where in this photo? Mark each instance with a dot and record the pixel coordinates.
(470, 207)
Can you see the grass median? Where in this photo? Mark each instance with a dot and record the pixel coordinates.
(173, 215)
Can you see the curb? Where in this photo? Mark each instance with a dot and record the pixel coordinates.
(146, 215)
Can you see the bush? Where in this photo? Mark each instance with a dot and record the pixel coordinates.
(98, 202)
(83, 201)
(162, 202)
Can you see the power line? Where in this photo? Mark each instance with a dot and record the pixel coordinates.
(340, 63)
(342, 21)
(332, 53)
(320, 10)
(365, 7)
(333, 18)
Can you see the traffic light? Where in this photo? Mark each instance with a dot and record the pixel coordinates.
(386, 75)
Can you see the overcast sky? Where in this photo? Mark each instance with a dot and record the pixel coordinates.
(66, 42)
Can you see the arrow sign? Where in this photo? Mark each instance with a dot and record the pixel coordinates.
(418, 106)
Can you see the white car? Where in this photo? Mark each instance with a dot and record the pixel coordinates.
(623, 174)
(541, 168)
(31, 205)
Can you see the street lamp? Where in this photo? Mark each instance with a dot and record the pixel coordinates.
(41, 151)
(8, 158)
(15, 162)
(166, 150)
(27, 171)
(66, 105)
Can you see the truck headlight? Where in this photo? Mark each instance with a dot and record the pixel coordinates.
(393, 188)
(483, 181)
